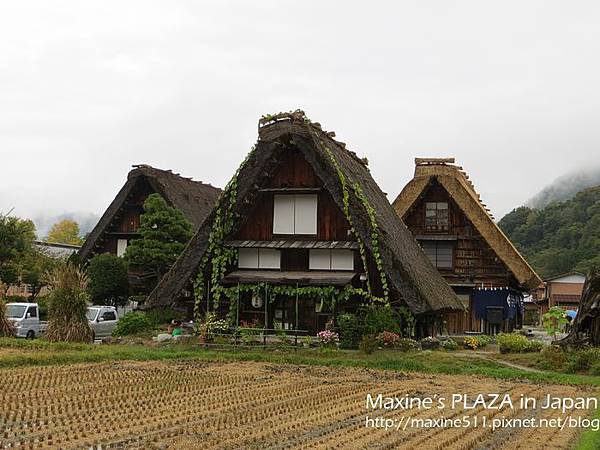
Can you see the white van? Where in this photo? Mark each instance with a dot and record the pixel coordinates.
(25, 317)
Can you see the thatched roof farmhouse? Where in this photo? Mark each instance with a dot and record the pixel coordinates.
(120, 221)
(446, 215)
(303, 211)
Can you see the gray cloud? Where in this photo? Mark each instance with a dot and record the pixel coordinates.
(87, 90)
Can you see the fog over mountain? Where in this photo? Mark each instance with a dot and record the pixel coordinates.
(565, 187)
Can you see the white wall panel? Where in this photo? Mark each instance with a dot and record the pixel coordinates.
(248, 258)
(319, 260)
(121, 246)
(306, 214)
(269, 258)
(342, 260)
(283, 214)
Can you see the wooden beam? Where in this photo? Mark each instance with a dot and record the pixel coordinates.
(288, 190)
(421, 161)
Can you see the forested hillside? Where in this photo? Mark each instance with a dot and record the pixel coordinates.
(560, 237)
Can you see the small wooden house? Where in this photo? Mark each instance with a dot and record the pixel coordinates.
(459, 235)
(120, 222)
(302, 231)
(564, 290)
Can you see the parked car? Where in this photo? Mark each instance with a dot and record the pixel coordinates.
(103, 320)
(25, 317)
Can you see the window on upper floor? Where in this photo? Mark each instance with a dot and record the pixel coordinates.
(295, 214)
(326, 259)
(259, 258)
(440, 253)
(436, 216)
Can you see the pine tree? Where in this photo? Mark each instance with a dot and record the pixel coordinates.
(164, 232)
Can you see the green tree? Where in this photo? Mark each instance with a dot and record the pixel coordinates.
(164, 231)
(107, 280)
(554, 321)
(515, 219)
(65, 232)
(34, 269)
(16, 242)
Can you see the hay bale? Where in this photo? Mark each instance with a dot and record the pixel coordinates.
(67, 305)
(6, 328)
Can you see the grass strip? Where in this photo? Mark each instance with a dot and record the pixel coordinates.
(41, 353)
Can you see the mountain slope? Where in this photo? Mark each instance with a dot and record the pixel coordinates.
(561, 237)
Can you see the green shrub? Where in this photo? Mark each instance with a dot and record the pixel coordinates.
(595, 368)
(368, 344)
(377, 319)
(517, 343)
(250, 336)
(350, 330)
(581, 360)
(553, 358)
(132, 323)
(407, 344)
(586, 360)
(449, 344)
(534, 347)
(161, 316)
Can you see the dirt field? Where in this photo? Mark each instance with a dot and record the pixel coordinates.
(244, 405)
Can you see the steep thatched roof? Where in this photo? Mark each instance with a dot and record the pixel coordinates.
(585, 329)
(193, 198)
(410, 273)
(462, 191)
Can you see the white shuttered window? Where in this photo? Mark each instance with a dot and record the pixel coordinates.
(283, 214)
(295, 214)
(342, 260)
(259, 258)
(319, 259)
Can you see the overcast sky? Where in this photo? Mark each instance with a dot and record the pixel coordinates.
(89, 88)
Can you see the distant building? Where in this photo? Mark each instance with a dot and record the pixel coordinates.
(57, 250)
(442, 209)
(562, 290)
(120, 222)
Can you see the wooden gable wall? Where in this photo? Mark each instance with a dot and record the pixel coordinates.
(295, 172)
(126, 222)
(474, 260)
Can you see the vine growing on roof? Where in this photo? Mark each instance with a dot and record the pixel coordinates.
(220, 256)
(374, 237)
(374, 229)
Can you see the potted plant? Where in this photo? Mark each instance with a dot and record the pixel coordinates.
(306, 341)
(430, 343)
